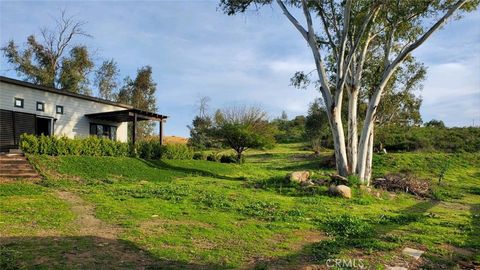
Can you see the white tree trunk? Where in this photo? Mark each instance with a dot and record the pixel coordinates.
(339, 142)
(368, 166)
(352, 146)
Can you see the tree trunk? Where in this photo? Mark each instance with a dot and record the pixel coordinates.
(352, 146)
(368, 166)
(339, 142)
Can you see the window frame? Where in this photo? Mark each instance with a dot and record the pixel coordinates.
(22, 101)
(112, 131)
(57, 107)
(43, 106)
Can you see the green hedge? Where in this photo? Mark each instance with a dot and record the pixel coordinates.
(94, 146)
(153, 150)
(61, 146)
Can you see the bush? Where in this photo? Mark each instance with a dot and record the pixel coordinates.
(177, 151)
(61, 146)
(229, 159)
(200, 156)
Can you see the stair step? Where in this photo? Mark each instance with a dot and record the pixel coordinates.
(22, 170)
(14, 161)
(19, 175)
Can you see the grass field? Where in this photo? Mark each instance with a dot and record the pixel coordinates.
(106, 212)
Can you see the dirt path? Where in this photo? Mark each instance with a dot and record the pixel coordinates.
(86, 221)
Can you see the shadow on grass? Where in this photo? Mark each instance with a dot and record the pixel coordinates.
(358, 236)
(159, 164)
(82, 252)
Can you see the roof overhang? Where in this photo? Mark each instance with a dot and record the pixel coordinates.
(127, 116)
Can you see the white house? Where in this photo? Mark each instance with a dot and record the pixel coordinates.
(34, 109)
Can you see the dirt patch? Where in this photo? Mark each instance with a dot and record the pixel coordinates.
(86, 222)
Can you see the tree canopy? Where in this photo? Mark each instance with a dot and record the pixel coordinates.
(348, 38)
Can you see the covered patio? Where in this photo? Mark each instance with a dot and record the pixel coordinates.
(132, 115)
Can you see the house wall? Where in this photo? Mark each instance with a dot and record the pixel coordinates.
(72, 123)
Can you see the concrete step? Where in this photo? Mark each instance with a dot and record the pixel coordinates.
(19, 175)
(13, 161)
(18, 170)
(14, 166)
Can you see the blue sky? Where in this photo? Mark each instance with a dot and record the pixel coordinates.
(195, 50)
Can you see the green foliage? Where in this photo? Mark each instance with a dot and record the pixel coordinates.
(59, 146)
(201, 136)
(288, 131)
(106, 79)
(140, 93)
(9, 258)
(397, 138)
(177, 151)
(347, 226)
(154, 150)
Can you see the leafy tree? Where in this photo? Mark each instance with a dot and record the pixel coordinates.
(289, 130)
(201, 129)
(343, 33)
(74, 72)
(140, 93)
(241, 128)
(435, 123)
(317, 130)
(45, 62)
(106, 79)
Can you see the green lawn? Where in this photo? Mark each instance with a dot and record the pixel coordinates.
(202, 214)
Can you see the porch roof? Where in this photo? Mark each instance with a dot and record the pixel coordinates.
(127, 116)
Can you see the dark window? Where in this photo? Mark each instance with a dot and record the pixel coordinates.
(18, 102)
(104, 131)
(40, 106)
(59, 109)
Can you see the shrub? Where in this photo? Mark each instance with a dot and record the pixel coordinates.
(200, 156)
(60, 146)
(29, 144)
(177, 151)
(229, 159)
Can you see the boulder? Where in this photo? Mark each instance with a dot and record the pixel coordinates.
(344, 191)
(338, 179)
(340, 190)
(307, 183)
(299, 177)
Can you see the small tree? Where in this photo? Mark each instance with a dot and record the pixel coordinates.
(242, 128)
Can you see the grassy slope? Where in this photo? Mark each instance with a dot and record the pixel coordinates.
(200, 213)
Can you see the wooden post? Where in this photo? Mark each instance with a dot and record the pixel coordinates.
(160, 131)
(134, 129)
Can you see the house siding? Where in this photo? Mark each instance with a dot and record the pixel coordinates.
(72, 123)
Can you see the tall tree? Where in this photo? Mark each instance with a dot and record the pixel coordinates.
(344, 32)
(140, 93)
(74, 72)
(106, 79)
(201, 128)
(43, 62)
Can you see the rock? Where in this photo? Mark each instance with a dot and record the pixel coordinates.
(338, 179)
(299, 177)
(340, 190)
(396, 268)
(344, 191)
(413, 252)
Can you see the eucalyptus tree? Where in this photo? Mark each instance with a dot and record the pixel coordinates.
(53, 59)
(106, 79)
(344, 33)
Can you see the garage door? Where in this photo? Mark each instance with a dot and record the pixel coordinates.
(12, 125)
